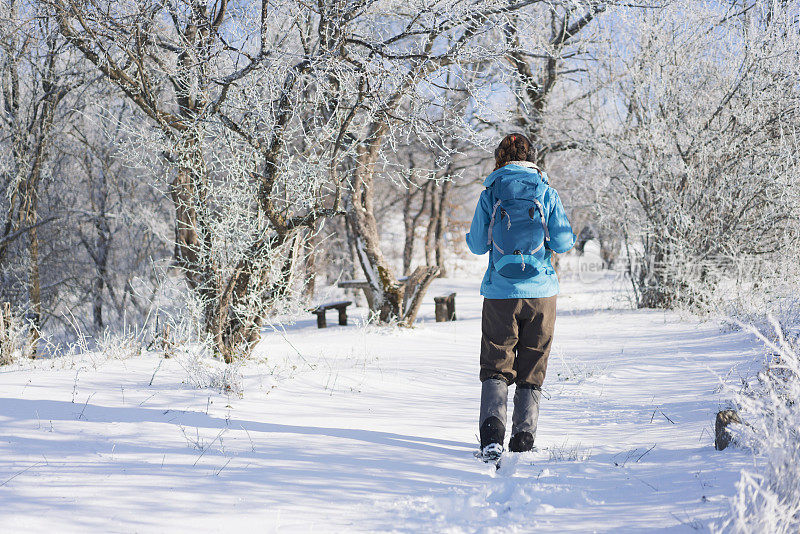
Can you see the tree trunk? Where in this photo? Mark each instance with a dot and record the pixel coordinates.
(312, 269)
(410, 221)
(387, 292)
(408, 225)
(430, 231)
(31, 214)
(416, 287)
(441, 227)
(355, 266)
(35, 290)
(392, 301)
(102, 245)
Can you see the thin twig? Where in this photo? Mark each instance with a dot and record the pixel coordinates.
(645, 452)
(667, 418)
(252, 445)
(85, 404)
(209, 446)
(18, 474)
(647, 484)
(154, 372)
(223, 467)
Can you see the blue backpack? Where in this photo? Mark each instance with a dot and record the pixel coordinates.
(518, 234)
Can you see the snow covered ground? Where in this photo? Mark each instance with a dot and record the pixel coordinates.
(365, 429)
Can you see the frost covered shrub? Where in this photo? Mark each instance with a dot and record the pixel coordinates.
(14, 339)
(773, 294)
(202, 371)
(768, 497)
(568, 453)
(119, 346)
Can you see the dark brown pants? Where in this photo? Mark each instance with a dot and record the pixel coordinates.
(516, 340)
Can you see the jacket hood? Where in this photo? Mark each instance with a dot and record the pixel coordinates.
(520, 170)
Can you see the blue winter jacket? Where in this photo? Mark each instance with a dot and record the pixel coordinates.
(544, 284)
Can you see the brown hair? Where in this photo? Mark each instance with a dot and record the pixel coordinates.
(513, 147)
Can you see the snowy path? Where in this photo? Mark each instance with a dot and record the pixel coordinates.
(361, 429)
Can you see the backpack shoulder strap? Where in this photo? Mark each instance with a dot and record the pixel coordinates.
(544, 219)
(492, 216)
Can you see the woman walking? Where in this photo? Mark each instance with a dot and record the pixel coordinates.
(520, 221)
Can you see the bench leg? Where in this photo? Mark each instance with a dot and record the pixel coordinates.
(343, 316)
(321, 323)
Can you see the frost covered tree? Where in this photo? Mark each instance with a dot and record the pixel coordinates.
(549, 47)
(429, 195)
(118, 222)
(37, 76)
(697, 131)
(243, 104)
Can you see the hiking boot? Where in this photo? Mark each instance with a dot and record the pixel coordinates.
(521, 442)
(494, 401)
(525, 418)
(493, 432)
(491, 452)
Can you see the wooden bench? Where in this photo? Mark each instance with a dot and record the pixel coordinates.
(341, 306)
(445, 307)
(363, 285)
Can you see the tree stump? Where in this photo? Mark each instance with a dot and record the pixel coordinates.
(445, 307)
(5, 334)
(722, 434)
